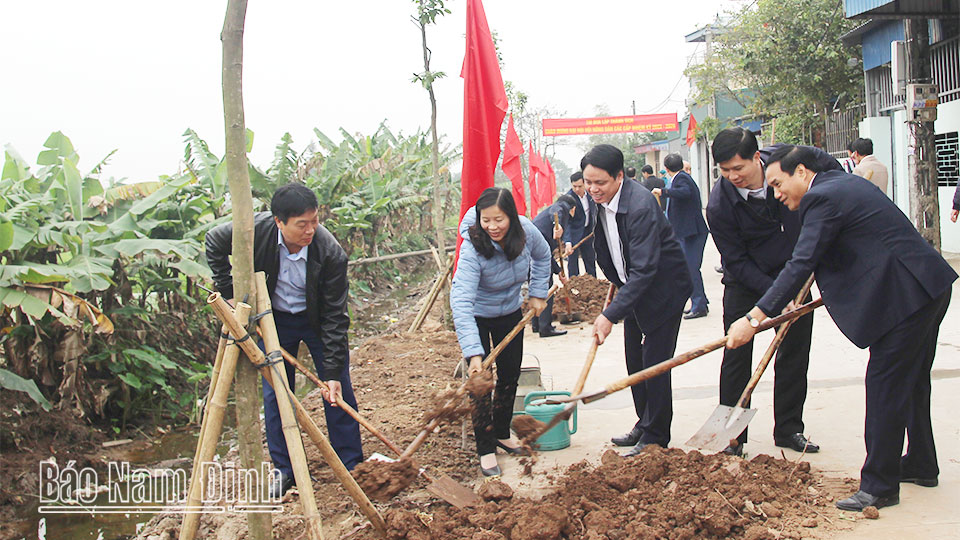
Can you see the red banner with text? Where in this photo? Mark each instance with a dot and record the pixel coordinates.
(555, 127)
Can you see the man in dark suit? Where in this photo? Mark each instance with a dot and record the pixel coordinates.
(544, 222)
(638, 252)
(685, 215)
(755, 234)
(581, 225)
(887, 289)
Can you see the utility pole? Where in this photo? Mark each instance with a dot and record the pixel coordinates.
(922, 161)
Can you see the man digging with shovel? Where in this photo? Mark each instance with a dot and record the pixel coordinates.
(887, 289)
(638, 252)
(755, 234)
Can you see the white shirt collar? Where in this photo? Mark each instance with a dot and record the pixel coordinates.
(674, 175)
(302, 254)
(760, 192)
(614, 203)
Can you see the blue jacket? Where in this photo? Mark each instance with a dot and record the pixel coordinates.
(491, 287)
(684, 208)
(872, 267)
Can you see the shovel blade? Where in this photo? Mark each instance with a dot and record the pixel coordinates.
(452, 491)
(724, 424)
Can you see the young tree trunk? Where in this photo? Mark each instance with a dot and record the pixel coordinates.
(246, 393)
(438, 194)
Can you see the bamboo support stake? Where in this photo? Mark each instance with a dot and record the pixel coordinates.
(432, 297)
(433, 424)
(222, 309)
(291, 431)
(207, 445)
(214, 376)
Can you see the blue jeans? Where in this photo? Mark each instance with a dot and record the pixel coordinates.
(343, 430)
(692, 247)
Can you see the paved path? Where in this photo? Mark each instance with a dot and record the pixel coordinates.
(833, 414)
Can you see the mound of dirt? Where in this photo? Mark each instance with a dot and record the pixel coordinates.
(658, 494)
(587, 294)
(381, 480)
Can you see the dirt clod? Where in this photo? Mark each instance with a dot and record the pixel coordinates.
(871, 512)
(587, 294)
(809, 523)
(381, 480)
(481, 384)
(495, 490)
(525, 425)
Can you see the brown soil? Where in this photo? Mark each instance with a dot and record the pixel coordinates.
(525, 426)
(381, 480)
(587, 294)
(658, 494)
(481, 384)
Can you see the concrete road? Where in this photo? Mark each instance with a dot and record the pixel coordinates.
(833, 414)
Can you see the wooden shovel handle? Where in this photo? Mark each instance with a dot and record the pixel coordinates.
(592, 354)
(774, 345)
(681, 359)
(490, 359)
(582, 240)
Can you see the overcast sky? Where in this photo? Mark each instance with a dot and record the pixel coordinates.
(133, 75)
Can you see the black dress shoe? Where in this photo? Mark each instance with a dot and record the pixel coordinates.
(517, 451)
(280, 485)
(925, 482)
(734, 450)
(550, 332)
(637, 448)
(686, 311)
(797, 442)
(492, 471)
(861, 499)
(696, 314)
(628, 439)
(718, 269)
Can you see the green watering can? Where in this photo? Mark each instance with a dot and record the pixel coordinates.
(559, 435)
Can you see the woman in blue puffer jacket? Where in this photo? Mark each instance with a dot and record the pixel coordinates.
(500, 251)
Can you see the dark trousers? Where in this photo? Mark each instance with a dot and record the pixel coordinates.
(653, 398)
(545, 319)
(790, 365)
(692, 247)
(898, 398)
(589, 259)
(491, 416)
(343, 430)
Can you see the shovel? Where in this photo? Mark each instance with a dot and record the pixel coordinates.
(441, 484)
(667, 365)
(462, 390)
(570, 316)
(727, 423)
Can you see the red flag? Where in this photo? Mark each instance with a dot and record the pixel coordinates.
(512, 150)
(534, 184)
(543, 182)
(553, 182)
(692, 131)
(484, 106)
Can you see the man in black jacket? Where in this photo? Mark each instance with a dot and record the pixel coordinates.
(307, 278)
(887, 289)
(638, 252)
(581, 225)
(755, 234)
(544, 222)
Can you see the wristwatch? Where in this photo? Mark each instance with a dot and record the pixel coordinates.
(753, 322)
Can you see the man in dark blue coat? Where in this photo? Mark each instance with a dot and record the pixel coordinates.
(887, 289)
(638, 252)
(545, 224)
(581, 225)
(755, 234)
(684, 212)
